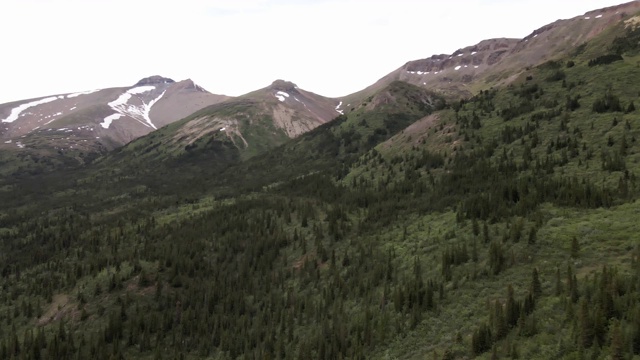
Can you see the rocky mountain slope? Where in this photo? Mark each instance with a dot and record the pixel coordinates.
(104, 118)
(494, 62)
(248, 124)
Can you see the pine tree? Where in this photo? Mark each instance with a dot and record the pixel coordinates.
(631, 107)
(575, 248)
(496, 257)
(532, 236)
(485, 233)
(536, 287)
(617, 343)
(558, 289)
(474, 251)
(586, 325)
(635, 334)
(572, 285)
(512, 309)
(475, 227)
(481, 339)
(499, 322)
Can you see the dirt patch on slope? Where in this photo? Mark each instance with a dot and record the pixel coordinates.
(632, 22)
(197, 128)
(61, 306)
(292, 122)
(416, 132)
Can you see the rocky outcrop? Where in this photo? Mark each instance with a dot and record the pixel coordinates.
(282, 85)
(154, 80)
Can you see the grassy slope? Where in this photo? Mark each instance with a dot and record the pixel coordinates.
(606, 237)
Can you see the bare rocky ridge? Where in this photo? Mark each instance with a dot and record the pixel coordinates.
(495, 62)
(299, 111)
(154, 80)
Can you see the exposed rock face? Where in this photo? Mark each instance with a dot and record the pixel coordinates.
(154, 80)
(491, 50)
(282, 85)
(189, 85)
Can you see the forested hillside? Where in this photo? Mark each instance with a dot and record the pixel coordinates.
(499, 226)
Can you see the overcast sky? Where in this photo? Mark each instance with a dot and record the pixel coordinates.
(330, 47)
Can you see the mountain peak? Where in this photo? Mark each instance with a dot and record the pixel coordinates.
(189, 84)
(155, 79)
(283, 85)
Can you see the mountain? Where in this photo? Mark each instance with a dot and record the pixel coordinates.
(245, 126)
(496, 62)
(101, 118)
(415, 225)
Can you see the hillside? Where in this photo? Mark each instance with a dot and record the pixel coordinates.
(496, 62)
(73, 129)
(415, 225)
(236, 129)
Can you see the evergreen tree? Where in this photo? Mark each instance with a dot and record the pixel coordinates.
(617, 343)
(586, 325)
(558, 287)
(536, 287)
(575, 248)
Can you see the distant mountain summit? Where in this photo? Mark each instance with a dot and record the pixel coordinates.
(101, 118)
(283, 85)
(241, 127)
(154, 80)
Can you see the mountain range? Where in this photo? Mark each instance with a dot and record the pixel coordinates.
(478, 204)
(93, 122)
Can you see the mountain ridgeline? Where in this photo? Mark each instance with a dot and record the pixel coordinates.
(414, 221)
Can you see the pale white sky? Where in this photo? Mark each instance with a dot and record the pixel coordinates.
(330, 47)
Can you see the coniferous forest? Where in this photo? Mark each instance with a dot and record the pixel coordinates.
(501, 226)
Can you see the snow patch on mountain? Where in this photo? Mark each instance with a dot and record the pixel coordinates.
(281, 95)
(138, 113)
(109, 119)
(15, 112)
(82, 93)
(338, 108)
(147, 110)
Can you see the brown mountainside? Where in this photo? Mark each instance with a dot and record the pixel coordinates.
(498, 61)
(103, 118)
